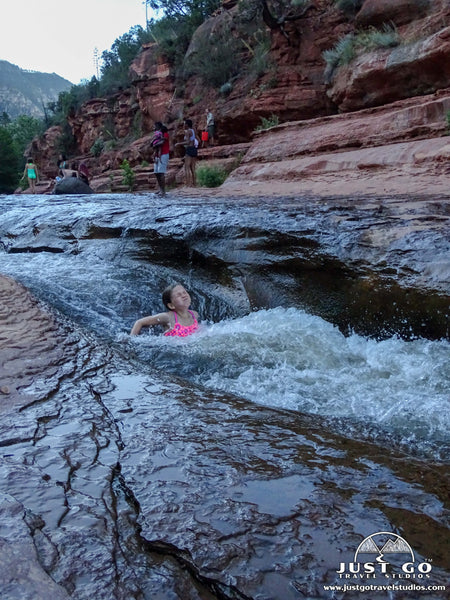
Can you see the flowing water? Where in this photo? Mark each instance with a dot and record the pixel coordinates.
(271, 409)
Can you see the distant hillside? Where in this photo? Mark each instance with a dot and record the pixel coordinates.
(27, 92)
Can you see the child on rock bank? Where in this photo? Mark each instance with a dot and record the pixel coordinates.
(178, 321)
(32, 173)
(156, 144)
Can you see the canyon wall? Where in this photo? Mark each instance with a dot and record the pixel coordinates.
(408, 81)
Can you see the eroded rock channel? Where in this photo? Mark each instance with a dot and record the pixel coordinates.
(249, 462)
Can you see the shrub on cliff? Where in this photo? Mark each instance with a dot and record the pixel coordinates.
(348, 47)
(128, 175)
(97, 147)
(173, 32)
(273, 121)
(210, 175)
(215, 60)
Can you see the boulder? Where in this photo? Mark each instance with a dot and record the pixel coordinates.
(72, 185)
(384, 76)
(377, 12)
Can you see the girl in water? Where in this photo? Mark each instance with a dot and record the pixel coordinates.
(178, 321)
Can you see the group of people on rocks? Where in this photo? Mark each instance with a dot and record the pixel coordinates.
(161, 148)
(64, 170)
(31, 172)
(160, 144)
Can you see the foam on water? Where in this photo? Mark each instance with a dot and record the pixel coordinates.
(290, 359)
(285, 358)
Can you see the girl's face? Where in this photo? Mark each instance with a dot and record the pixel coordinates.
(179, 298)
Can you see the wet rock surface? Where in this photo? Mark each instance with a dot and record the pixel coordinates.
(125, 484)
(124, 475)
(41, 344)
(21, 573)
(379, 264)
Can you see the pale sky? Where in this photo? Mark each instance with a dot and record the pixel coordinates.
(54, 36)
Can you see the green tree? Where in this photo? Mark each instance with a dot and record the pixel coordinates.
(173, 32)
(276, 13)
(116, 62)
(69, 102)
(4, 118)
(198, 10)
(23, 130)
(9, 162)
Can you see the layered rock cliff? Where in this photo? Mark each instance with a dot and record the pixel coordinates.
(383, 95)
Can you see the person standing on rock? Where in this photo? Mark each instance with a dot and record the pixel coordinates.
(62, 162)
(210, 128)
(161, 157)
(32, 173)
(190, 142)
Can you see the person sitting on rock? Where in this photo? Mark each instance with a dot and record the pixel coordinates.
(83, 172)
(72, 172)
(62, 161)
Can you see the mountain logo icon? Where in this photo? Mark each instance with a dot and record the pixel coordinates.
(381, 543)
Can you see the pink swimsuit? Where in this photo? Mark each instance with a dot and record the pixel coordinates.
(183, 330)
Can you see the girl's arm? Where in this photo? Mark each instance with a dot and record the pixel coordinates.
(151, 321)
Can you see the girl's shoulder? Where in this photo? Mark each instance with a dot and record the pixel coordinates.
(166, 317)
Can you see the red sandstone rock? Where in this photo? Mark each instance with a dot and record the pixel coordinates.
(384, 76)
(419, 117)
(45, 152)
(294, 91)
(377, 12)
(153, 81)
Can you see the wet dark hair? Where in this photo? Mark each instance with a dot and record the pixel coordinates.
(188, 123)
(167, 294)
(159, 125)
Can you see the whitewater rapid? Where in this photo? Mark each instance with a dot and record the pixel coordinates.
(88, 266)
